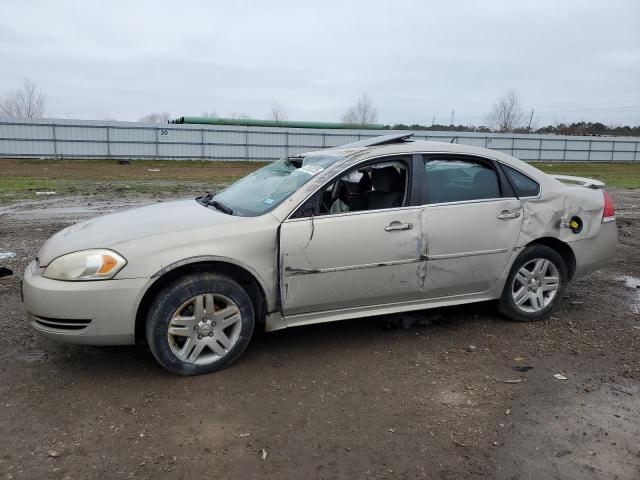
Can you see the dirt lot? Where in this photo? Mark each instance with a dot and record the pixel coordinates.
(342, 400)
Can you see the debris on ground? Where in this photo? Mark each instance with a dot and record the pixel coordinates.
(559, 376)
(243, 435)
(563, 453)
(521, 368)
(512, 380)
(4, 255)
(48, 192)
(53, 453)
(153, 169)
(5, 272)
(471, 348)
(124, 162)
(264, 454)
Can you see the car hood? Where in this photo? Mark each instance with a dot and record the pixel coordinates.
(111, 230)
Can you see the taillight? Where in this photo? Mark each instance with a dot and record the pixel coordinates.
(609, 213)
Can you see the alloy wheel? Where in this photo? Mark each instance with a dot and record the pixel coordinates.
(204, 329)
(535, 285)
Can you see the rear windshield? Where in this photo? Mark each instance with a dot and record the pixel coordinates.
(266, 188)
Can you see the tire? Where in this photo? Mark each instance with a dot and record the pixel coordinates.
(200, 323)
(532, 296)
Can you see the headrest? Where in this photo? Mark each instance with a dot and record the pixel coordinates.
(365, 182)
(346, 189)
(386, 179)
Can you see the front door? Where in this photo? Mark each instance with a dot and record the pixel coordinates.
(361, 246)
(349, 260)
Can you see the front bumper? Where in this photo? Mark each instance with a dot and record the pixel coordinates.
(95, 313)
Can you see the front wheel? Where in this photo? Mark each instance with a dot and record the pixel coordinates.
(535, 284)
(199, 324)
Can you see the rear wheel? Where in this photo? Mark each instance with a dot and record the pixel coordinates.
(535, 284)
(199, 324)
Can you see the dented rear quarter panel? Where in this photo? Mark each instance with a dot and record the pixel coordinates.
(558, 203)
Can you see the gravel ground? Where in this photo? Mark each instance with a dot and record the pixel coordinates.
(342, 400)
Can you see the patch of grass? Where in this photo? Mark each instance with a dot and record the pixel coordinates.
(618, 175)
(22, 178)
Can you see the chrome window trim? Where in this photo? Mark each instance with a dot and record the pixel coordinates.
(357, 212)
(465, 202)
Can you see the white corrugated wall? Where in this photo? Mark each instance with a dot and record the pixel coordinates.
(61, 138)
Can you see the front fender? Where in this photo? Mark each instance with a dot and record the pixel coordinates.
(266, 287)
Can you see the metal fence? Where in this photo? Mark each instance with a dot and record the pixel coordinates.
(68, 139)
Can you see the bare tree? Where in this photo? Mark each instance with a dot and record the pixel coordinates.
(156, 118)
(361, 112)
(26, 102)
(506, 113)
(278, 112)
(240, 116)
(209, 114)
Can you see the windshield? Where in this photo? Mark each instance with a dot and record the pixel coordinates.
(269, 186)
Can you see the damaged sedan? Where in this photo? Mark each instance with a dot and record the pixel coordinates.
(382, 226)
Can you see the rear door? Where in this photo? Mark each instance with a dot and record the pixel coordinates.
(470, 224)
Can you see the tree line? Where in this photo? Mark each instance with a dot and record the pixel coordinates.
(506, 115)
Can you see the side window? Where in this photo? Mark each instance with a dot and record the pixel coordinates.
(368, 187)
(457, 180)
(523, 185)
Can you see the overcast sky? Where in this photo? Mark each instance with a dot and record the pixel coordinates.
(571, 60)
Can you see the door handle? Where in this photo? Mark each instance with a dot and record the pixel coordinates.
(397, 226)
(507, 215)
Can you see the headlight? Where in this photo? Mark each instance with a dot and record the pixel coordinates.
(85, 265)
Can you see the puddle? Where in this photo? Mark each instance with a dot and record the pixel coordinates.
(632, 283)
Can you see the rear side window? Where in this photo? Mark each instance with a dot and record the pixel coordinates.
(457, 180)
(523, 185)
